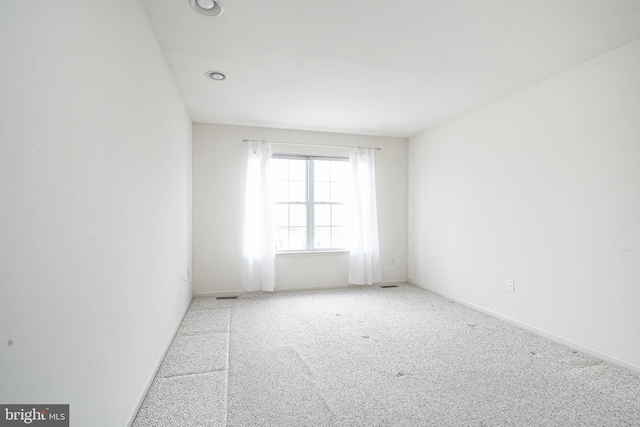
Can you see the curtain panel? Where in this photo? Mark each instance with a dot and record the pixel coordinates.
(258, 255)
(364, 252)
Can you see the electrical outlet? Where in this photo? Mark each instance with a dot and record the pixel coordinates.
(510, 286)
(392, 260)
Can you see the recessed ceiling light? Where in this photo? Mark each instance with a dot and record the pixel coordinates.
(215, 75)
(207, 7)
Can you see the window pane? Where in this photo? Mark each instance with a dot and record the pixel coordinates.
(279, 169)
(322, 170)
(338, 215)
(298, 170)
(322, 215)
(338, 192)
(281, 237)
(338, 237)
(281, 215)
(322, 237)
(322, 192)
(290, 193)
(297, 191)
(339, 171)
(298, 216)
(280, 191)
(297, 238)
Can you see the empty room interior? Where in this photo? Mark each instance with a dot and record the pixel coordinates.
(500, 260)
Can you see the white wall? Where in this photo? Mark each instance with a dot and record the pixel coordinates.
(219, 168)
(95, 169)
(541, 187)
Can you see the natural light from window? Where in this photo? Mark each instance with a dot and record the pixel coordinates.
(310, 209)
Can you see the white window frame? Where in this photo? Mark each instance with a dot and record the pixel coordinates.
(310, 200)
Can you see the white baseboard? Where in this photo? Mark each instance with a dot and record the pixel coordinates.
(537, 331)
(312, 288)
(155, 371)
(234, 293)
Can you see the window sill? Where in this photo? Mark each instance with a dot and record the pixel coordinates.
(327, 252)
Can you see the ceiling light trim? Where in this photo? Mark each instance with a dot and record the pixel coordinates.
(216, 75)
(207, 7)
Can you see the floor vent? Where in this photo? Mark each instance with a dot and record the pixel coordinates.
(226, 297)
(389, 286)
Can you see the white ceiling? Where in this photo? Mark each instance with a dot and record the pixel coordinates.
(376, 67)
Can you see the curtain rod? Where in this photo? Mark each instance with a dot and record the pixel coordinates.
(309, 145)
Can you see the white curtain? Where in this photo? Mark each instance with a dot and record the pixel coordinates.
(364, 253)
(258, 261)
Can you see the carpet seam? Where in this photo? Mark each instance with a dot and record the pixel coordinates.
(205, 333)
(226, 395)
(192, 374)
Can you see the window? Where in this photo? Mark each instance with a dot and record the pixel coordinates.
(310, 197)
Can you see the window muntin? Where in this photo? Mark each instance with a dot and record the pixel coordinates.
(310, 202)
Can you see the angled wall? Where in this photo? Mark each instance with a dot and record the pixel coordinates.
(95, 173)
(543, 188)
